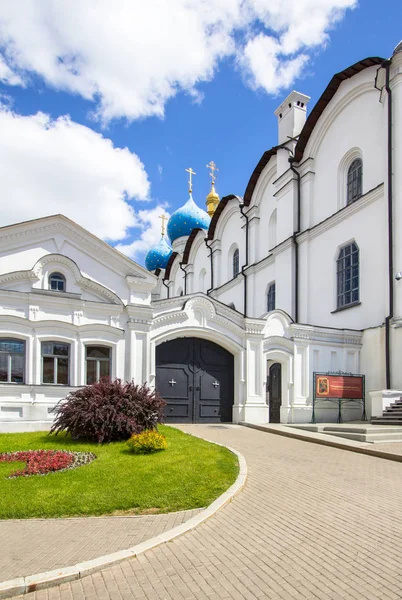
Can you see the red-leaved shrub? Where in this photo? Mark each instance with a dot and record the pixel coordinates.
(108, 411)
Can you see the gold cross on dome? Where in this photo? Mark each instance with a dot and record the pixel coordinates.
(190, 181)
(213, 168)
(164, 218)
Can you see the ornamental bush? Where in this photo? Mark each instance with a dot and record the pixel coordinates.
(108, 411)
(147, 442)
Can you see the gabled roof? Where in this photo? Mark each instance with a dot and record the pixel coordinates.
(170, 265)
(189, 243)
(312, 119)
(327, 96)
(101, 250)
(217, 214)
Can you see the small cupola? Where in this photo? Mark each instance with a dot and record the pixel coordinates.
(291, 116)
(212, 198)
(186, 218)
(158, 257)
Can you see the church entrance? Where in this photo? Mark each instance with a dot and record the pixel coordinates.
(195, 378)
(275, 392)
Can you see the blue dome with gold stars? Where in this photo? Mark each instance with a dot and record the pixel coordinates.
(158, 257)
(186, 218)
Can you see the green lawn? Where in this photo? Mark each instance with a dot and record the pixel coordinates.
(191, 473)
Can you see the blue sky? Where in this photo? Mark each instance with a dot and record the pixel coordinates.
(104, 105)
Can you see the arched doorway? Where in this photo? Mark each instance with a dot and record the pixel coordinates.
(275, 392)
(195, 377)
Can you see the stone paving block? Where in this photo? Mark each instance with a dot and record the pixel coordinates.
(313, 523)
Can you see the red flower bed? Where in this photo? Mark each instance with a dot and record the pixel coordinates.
(39, 462)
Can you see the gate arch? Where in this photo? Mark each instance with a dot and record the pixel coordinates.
(195, 377)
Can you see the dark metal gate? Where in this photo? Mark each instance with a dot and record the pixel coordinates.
(195, 377)
(275, 393)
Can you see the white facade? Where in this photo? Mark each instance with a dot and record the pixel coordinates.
(287, 234)
(306, 233)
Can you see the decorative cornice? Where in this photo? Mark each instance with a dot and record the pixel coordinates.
(277, 342)
(344, 337)
(61, 325)
(17, 234)
(342, 214)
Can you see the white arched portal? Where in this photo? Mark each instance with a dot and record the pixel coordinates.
(201, 317)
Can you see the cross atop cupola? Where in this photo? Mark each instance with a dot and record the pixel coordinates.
(190, 181)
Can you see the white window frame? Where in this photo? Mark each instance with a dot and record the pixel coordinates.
(55, 361)
(98, 361)
(60, 277)
(9, 361)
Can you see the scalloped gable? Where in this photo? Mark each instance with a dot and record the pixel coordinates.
(15, 280)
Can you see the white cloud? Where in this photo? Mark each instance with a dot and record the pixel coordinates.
(150, 223)
(59, 166)
(131, 56)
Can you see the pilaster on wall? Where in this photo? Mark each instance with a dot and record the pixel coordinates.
(255, 408)
(138, 362)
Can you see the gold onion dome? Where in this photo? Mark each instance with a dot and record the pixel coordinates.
(212, 198)
(212, 201)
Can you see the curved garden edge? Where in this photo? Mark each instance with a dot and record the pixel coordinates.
(31, 583)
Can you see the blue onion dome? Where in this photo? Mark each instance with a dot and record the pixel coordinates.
(158, 257)
(185, 219)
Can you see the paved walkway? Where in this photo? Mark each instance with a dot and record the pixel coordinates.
(36, 545)
(312, 522)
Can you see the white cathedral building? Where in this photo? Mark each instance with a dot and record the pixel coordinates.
(238, 307)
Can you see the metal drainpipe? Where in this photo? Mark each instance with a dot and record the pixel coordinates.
(296, 245)
(246, 264)
(167, 287)
(386, 64)
(212, 266)
(185, 277)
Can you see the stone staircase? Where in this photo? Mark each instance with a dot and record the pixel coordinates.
(371, 434)
(392, 415)
(356, 431)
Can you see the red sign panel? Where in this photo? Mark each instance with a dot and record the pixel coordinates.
(338, 386)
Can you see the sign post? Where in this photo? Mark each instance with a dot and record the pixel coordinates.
(339, 387)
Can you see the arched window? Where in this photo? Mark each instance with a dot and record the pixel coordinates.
(57, 282)
(271, 296)
(232, 305)
(355, 180)
(236, 263)
(347, 274)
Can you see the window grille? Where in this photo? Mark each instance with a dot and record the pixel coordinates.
(236, 263)
(271, 297)
(348, 275)
(355, 180)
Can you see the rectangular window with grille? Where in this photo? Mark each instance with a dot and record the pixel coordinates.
(271, 297)
(348, 275)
